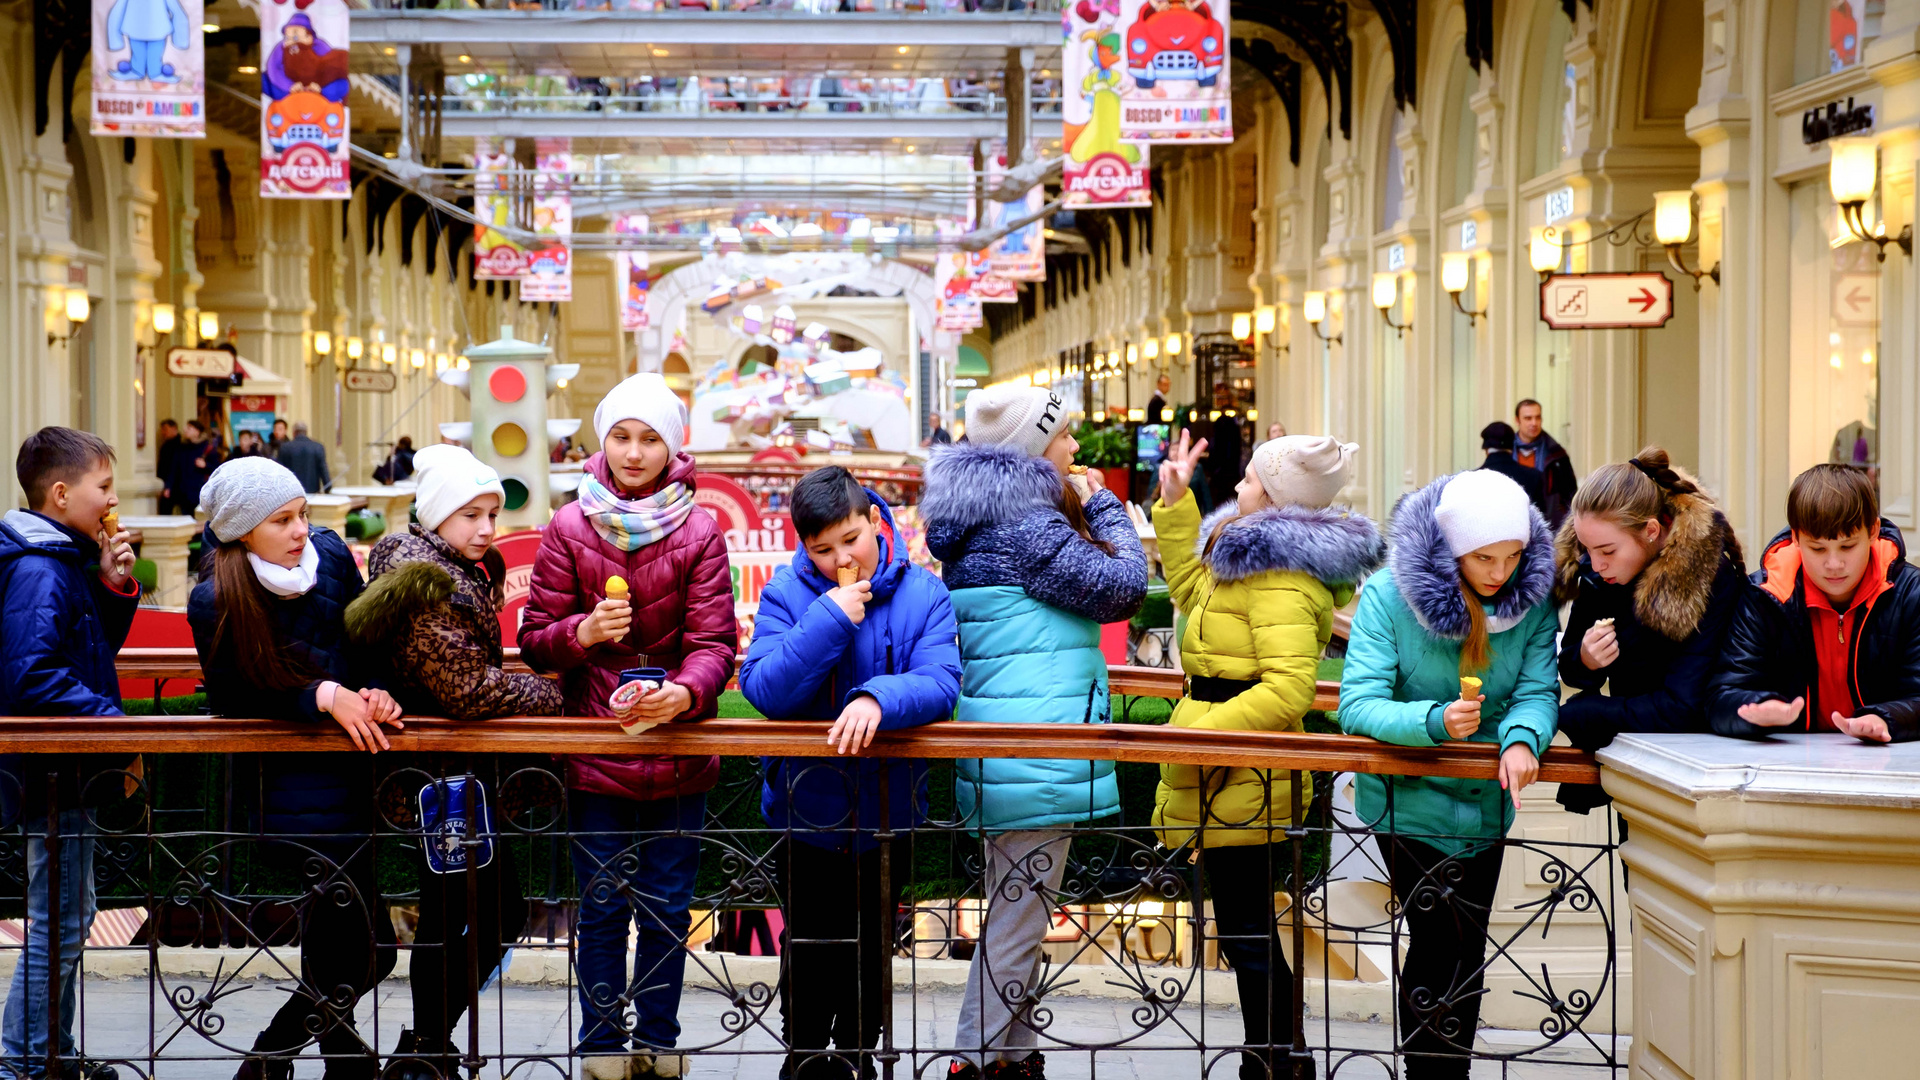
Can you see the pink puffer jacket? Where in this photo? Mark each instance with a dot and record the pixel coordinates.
(682, 594)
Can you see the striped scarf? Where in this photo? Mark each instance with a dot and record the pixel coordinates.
(631, 524)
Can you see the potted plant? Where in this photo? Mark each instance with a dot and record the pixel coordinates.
(1108, 448)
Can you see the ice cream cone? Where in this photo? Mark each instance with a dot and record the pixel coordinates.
(111, 523)
(617, 590)
(1469, 688)
(848, 575)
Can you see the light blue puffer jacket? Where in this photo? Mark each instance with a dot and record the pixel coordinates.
(1030, 595)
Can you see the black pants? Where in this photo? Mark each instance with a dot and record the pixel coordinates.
(441, 977)
(833, 971)
(1241, 882)
(1447, 902)
(346, 949)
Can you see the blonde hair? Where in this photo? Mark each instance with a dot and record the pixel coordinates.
(1631, 493)
(1476, 652)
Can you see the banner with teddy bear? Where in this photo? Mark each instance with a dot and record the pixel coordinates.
(149, 69)
(304, 145)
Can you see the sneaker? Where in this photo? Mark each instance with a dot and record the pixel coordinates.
(89, 1070)
(1032, 1067)
(607, 1067)
(648, 1066)
(963, 1070)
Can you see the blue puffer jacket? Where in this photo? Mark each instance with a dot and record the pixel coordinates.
(1030, 594)
(808, 660)
(1403, 668)
(301, 794)
(60, 628)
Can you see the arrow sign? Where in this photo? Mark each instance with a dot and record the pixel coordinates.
(375, 382)
(1856, 300)
(199, 363)
(1606, 301)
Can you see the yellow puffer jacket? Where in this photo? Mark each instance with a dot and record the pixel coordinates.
(1259, 606)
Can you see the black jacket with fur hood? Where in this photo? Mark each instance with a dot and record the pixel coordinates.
(1670, 622)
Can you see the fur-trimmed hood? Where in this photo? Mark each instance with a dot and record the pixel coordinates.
(969, 485)
(1428, 575)
(1671, 595)
(1335, 545)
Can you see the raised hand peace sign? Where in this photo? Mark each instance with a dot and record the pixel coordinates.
(1176, 473)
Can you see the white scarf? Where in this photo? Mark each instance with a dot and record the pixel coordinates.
(288, 582)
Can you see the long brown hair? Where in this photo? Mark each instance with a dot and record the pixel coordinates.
(1631, 493)
(1476, 653)
(1076, 513)
(246, 621)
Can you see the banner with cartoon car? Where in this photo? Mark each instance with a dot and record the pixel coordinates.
(955, 307)
(1021, 255)
(495, 257)
(549, 260)
(632, 266)
(1102, 169)
(1174, 54)
(303, 100)
(149, 69)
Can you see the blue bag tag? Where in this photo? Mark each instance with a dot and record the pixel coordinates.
(452, 809)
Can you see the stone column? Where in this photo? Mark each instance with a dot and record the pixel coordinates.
(1775, 887)
(164, 543)
(330, 511)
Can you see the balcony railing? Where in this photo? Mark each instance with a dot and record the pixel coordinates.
(223, 901)
(726, 7)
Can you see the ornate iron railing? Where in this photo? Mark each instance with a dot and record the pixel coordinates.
(199, 838)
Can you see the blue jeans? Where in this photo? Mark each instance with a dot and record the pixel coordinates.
(23, 1029)
(624, 879)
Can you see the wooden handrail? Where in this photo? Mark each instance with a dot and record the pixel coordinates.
(1168, 683)
(792, 738)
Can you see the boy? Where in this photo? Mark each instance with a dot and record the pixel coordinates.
(854, 632)
(1829, 640)
(67, 598)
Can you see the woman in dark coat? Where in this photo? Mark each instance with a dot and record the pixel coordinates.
(1655, 575)
(268, 624)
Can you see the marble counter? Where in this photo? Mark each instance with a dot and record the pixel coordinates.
(1817, 768)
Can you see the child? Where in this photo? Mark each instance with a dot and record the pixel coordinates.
(636, 819)
(1826, 639)
(268, 623)
(1259, 595)
(853, 631)
(1467, 594)
(431, 612)
(68, 596)
(1037, 558)
(1655, 575)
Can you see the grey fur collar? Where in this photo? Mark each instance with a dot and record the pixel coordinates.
(1335, 545)
(1428, 575)
(969, 485)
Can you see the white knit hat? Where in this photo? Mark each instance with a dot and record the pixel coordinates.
(245, 492)
(644, 397)
(448, 478)
(1304, 470)
(1482, 507)
(1026, 417)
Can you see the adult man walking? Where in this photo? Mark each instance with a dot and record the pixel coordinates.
(936, 434)
(307, 460)
(1537, 450)
(1497, 440)
(164, 464)
(1158, 402)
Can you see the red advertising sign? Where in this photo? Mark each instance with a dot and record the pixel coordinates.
(739, 516)
(517, 551)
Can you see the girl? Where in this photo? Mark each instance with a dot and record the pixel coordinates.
(1465, 596)
(635, 819)
(1259, 581)
(432, 614)
(1035, 565)
(267, 620)
(1655, 575)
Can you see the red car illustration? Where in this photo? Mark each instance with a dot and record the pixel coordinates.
(1175, 42)
(304, 117)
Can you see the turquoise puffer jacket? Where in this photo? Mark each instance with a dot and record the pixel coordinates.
(1403, 667)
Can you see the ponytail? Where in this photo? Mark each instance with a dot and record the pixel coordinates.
(1476, 652)
(1631, 493)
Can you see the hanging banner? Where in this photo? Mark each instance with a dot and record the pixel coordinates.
(303, 100)
(149, 69)
(632, 267)
(549, 261)
(1102, 170)
(1021, 255)
(955, 306)
(495, 258)
(1176, 86)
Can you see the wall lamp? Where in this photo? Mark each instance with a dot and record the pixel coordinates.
(1314, 307)
(209, 325)
(1455, 270)
(1242, 325)
(1386, 290)
(1544, 252)
(1673, 227)
(163, 319)
(77, 308)
(1852, 176)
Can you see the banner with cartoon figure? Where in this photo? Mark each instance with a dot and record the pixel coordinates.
(1102, 169)
(149, 69)
(1175, 56)
(303, 100)
(633, 266)
(549, 261)
(955, 307)
(495, 257)
(1021, 255)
